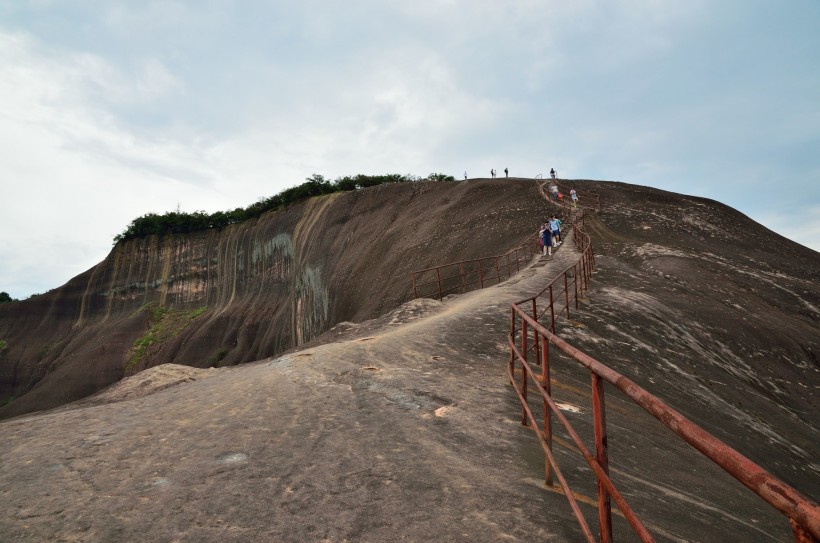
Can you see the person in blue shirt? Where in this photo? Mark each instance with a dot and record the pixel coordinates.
(546, 239)
(555, 226)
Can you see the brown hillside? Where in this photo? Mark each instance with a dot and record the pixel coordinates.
(223, 297)
(402, 427)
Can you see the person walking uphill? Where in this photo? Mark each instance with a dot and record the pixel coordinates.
(546, 240)
(506, 172)
(574, 196)
(555, 227)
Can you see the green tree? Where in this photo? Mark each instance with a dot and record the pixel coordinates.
(174, 222)
(4, 297)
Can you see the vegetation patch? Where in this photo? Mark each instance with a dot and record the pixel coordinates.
(177, 222)
(166, 324)
(3, 344)
(217, 357)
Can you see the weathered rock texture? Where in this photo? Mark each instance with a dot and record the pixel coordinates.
(223, 297)
(403, 427)
(715, 313)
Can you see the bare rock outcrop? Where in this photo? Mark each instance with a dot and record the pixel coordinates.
(251, 290)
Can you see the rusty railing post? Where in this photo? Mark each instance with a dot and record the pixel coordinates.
(537, 343)
(497, 271)
(511, 362)
(524, 332)
(480, 274)
(602, 456)
(566, 293)
(438, 278)
(461, 272)
(575, 283)
(552, 312)
(581, 272)
(545, 383)
(413, 277)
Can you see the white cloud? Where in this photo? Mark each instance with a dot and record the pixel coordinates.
(111, 110)
(71, 177)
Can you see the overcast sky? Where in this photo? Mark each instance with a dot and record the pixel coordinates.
(113, 109)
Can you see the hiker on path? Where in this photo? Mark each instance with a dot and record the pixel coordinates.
(552, 172)
(555, 227)
(574, 197)
(506, 172)
(546, 240)
(465, 175)
(492, 174)
(554, 191)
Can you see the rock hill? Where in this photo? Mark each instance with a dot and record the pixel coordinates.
(252, 290)
(387, 419)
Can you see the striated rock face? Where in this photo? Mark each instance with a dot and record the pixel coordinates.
(404, 427)
(252, 290)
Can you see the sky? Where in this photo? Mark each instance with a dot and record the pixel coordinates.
(113, 109)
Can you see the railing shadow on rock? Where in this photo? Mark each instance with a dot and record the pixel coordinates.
(532, 332)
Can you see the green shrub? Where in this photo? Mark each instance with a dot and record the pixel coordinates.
(165, 324)
(217, 357)
(440, 177)
(177, 222)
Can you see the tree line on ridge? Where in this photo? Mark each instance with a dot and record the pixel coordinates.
(177, 222)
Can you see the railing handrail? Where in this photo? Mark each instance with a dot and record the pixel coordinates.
(457, 262)
(495, 258)
(497, 262)
(583, 245)
(802, 512)
(775, 492)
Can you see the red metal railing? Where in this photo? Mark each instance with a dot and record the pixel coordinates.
(568, 287)
(535, 333)
(803, 514)
(466, 275)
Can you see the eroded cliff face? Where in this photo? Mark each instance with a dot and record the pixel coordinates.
(252, 290)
